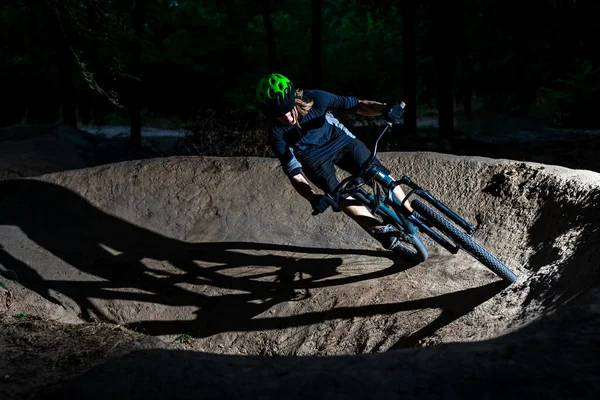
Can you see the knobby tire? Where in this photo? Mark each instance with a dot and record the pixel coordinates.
(464, 241)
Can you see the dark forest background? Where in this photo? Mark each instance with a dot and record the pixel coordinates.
(182, 63)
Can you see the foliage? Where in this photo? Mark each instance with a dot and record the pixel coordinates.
(200, 55)
(227, 133)
(92, 29)
(573, 100)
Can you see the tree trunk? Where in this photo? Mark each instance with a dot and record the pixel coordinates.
(272, 55)
(317, 71)
(466, 62)
(67, 86)
(467, 86)
(135, 87)
(445, 63)
(409, 49)
(66, 61)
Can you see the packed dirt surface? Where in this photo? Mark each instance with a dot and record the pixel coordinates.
(201, 277)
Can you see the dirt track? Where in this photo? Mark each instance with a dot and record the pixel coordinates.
(224, 252)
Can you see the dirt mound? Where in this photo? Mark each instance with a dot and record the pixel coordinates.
(222, 258)
(34, 150)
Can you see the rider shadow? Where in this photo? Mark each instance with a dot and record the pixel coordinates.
(72, 229)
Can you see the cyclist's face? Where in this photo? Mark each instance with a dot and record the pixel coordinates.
(290, 118)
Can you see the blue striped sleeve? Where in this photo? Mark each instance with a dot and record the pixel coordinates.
(290, 165)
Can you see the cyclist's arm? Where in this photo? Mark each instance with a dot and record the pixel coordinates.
(370, 108)
(367, 108)
(291, 167)
(326, 100)
(284, 153)
(302, 186)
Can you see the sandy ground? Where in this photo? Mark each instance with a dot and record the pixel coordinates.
(201, 277)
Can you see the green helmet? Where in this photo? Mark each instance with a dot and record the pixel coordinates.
(275, 95)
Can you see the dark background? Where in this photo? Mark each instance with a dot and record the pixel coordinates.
(195, 64)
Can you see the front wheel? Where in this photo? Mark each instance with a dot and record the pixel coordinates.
(464, 241)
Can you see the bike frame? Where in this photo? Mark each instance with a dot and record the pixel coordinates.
(393, 207)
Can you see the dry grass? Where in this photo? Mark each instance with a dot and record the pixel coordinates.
(36, 353)
(223, 134)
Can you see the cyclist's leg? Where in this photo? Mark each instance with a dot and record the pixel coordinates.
(356, 155)
(323, 175)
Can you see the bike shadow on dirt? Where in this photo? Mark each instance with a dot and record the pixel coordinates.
(452, 305)
(76, 232)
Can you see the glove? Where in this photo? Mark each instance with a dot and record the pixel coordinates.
(393, 113)
(320, 203)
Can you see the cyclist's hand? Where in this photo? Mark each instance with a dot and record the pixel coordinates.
(393, 113)
(320, 203)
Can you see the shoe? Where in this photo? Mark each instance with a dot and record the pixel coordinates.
(387, 236)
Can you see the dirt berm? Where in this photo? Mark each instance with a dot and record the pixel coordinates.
(199, 277)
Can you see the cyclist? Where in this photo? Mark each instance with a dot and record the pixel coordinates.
(307, 138)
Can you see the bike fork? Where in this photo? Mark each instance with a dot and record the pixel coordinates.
(410, 223)
(423, 227)
(368, 198)
(435, 203)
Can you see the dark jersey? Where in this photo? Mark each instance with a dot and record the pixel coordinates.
(321, 135)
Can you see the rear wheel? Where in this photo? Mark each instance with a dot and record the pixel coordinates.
(464, 241)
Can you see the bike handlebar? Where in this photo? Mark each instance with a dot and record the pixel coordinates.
(374, 151)
(371, 157)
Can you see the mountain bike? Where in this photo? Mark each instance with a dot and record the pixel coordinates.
(374, 188)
